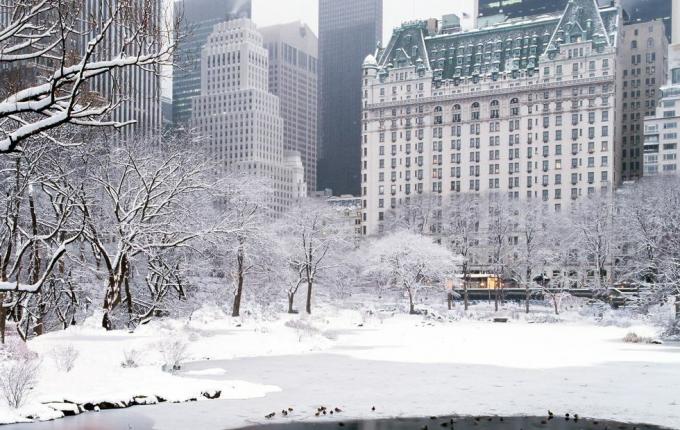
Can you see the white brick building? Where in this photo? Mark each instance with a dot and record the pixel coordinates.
(527, 108)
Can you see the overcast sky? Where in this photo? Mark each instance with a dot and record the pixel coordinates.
(268, 12)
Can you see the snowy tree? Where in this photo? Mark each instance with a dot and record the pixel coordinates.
(420, 213)
(117, 37)
(246, 212)
(318, 234)
(649, 227)
(500, 227)
(592, 220)
(532, 219)
(460, 233)
(410, 261)
(145, 200)
(40, 220)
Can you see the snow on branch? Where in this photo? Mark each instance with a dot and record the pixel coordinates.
(120, 35)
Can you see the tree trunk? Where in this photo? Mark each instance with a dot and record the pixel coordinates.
(496, 298)
(35, 270)
(236, 310)
(111, 300)
(309, 296)
(128, 293)
(412, 307)
(291, 299)
(449, 300)
(677, 307)
(3, 319)
(528, 297)
(557, 310)
(466, 296)
(528, 289)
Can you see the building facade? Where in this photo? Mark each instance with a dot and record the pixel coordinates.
(645, 69)
(649, 10)
(348, 31)
(239, 118)
(528, 108)
(293, 77)
(661, 130)
(197, 17)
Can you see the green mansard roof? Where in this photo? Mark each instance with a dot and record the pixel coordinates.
(510, 46)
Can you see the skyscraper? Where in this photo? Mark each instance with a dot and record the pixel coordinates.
(198, 17)
(643, 62)
(348, 31)
(239, 117)
(293, 77)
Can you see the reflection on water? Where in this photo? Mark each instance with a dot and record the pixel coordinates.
(128, 420)
(124, 419)
(458, 423)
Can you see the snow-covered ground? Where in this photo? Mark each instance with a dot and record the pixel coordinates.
(403, 365)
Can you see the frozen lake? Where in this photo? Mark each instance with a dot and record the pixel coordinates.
(356, 385)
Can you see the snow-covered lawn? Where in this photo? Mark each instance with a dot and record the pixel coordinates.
(520, 367)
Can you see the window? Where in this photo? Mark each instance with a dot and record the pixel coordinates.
(456, 113)
(495, 109)
(438, 118)
(475, 111)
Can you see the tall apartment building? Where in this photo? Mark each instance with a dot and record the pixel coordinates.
(645, 47)
(661, 130)
(197, 17)
(528, 108)
(293, 77)
(238, 116)
(348, 31)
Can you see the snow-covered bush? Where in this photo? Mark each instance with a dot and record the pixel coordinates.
(65, 357)
(130, 358)
(174, 353)
(633, 337)
(303, 328)
(17, 379)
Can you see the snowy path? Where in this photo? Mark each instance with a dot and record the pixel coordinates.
(592, 375)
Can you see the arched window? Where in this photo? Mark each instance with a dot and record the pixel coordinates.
(456, 113)
(650, 42)
(474, 111)
(514, 107)
(633, 44)
(495, 109)
(438, 118)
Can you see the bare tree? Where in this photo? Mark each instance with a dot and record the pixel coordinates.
(246, 211)
(500, 226)
(144, 200)
(39, 221)
(116, 37)
(460, 233)
(593, 223)
(318, 231)
(420, 213)
(532, 224)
